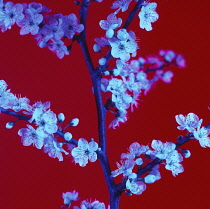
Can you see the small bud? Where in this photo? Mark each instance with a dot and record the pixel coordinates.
(10, 125)
(116, 72)
(179, 138)
(67, 136)
(122, 34)
(106, 73)
(61, 117)
(186, 152)
(77, 2)
(102, 61)
(149, 179)
(132, 176)
(109, 33)
(139, 161)
(96, 48)
(74, 122)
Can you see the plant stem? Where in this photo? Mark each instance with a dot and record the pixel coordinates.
(101, 111)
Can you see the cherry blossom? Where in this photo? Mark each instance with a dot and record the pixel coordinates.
(202, 135)
(10, 14)
(93, 205)
(69, 197)
(121, 5)
(135, 186)
(58, 47)
(110, 24)
(161, 150)
(135, 150)
(148, 15)
(85, 151)
(46, 121)
(189, 122)
(123, 45)
(29, 24)
(125, 168)
(31, 136)
(70, 25)
(53, 148)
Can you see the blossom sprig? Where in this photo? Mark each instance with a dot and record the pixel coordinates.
(50, 31)
(141, 156)
(128, 80)
(192, 124)
(147, 160)
(48, 125)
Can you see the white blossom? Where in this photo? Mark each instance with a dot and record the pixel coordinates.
(189, 122)
(148, 15)
(85, 151)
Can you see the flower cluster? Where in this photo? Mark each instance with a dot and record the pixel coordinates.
(70, 197)
(128, 80)
(50, 31)
(46, 121)
(140, 155)
(192, 123)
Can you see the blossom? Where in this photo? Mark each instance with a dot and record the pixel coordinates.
(70, 25)
(148, 15)
(189, 122)
(180, 61)
(201, 134)
(53, 148)
(173, 160)
(31, 136)
(110, 24)
(18, 104)
(30, 23)
(11, 14)
(123, 45)
(85, 151)
(121, 117)
(51, 30)
(69, 197)
(58, 47)
(46, 120)
(135, 186)
(161, 149)
(125, 168)
(135, 150)
(121, 5)
(93, 205)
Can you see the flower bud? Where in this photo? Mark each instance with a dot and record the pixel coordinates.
(74, 122)
(149, 179)
(106, 73)
(109, 33)
(61, 117)
(102, 61)
(10, 125)
(67, 136)
(139, 161)
(122, 34)
(96, 48)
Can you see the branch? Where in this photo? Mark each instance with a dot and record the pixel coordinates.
(156, 161)
(27, 118)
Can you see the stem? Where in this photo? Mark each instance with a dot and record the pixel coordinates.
(101, 111)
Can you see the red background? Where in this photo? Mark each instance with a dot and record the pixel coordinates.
(29, 179)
